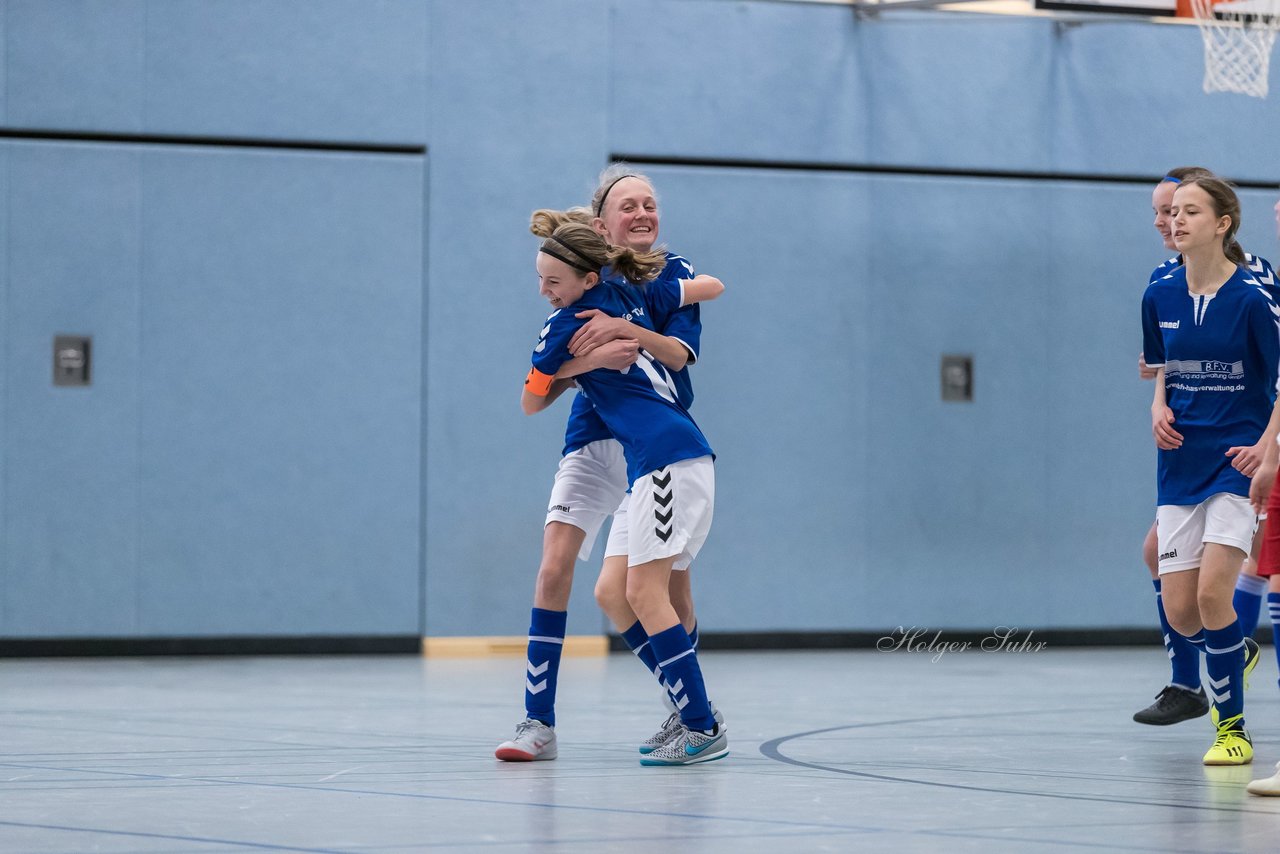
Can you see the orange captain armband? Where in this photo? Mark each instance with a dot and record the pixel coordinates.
(538, 383)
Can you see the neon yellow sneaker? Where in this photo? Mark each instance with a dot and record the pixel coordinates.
(1252, 653)
(1232, 746)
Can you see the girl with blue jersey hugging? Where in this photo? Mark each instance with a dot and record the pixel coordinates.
(669, 463)
(591, 480)
(1210, 332)
(625, 205)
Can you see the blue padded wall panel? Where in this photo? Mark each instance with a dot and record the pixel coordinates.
(522, 130)
(71, 454)
(76, 64)
(855, 479)
(1101, 488)
(959, 92)
(943, 473)
(4, 64)
(782, 389)
(749, 80)
(1129, 100)
(281, 315)
(297, 69)
(5, 405)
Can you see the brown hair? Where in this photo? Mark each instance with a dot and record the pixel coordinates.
(1225, 203)
(1179, 174)
(568, 237)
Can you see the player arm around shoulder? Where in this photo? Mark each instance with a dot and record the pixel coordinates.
(600, 328)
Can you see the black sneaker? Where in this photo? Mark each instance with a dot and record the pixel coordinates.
(1174, 705)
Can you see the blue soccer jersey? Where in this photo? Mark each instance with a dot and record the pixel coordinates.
(1220, 354)
(1258, 266)
(661, 298)
(639, 405)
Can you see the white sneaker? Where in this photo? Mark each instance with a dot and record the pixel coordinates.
(534, 740)
(1269, 786)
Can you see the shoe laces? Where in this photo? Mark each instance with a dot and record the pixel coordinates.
(526, 725)
(1232, 726)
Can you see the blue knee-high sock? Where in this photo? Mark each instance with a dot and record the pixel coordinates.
(546, 642)
(1248, 602)
(1273, 607)
(679, 662)
(1224, 661)
(1184, 657)
(638, 641)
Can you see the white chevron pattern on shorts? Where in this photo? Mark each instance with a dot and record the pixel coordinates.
(662, 495)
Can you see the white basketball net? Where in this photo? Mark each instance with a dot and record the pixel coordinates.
(1238, 37)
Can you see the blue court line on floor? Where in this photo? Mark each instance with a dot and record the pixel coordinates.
(142, 834)
(453, 798)
(772, 750)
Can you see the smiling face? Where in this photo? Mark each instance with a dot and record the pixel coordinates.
(630, 215)
(1161, 202)
(1195, 222)
(560, 284)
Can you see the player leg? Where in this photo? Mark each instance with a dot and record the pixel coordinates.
(1269, 568)
(1229, 655)
(580, 497)
(670, 516)
(1250, 589)
(1183, 698)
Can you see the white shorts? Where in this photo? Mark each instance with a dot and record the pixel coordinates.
(668, 513)
(1182, 530)
(589, 484)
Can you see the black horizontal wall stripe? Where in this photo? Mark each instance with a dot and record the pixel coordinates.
(922, 171)
(249, 645)
(36, 135)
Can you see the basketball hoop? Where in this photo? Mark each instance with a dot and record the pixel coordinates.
(1238, 37)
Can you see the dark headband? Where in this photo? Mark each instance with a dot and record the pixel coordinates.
(577, 265)
(605, 195)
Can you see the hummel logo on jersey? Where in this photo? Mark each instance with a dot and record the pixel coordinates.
(1169, 324)
(1169, 555)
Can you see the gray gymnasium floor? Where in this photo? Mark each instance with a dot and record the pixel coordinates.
(832, 751)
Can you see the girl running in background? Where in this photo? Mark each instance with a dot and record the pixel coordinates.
(1210, 332)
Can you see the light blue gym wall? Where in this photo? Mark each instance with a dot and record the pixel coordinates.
(304, 415)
